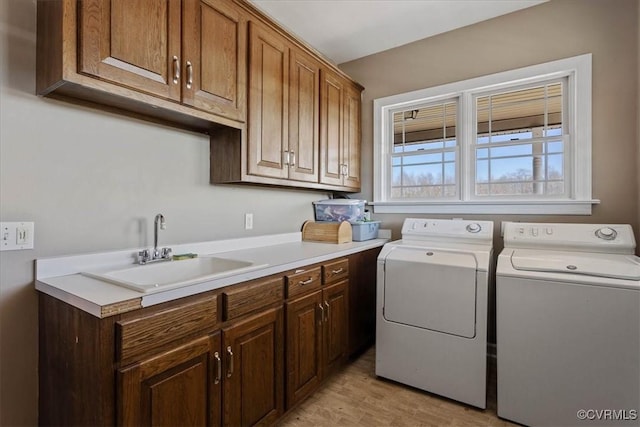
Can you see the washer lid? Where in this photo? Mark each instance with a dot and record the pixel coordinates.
(601, 265)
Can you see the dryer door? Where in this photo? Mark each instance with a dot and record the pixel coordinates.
(431, 289)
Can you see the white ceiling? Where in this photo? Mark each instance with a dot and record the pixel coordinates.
(344, 30)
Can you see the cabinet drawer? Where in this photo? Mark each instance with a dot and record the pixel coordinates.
(142, 336)
(303, 281)
(335, 271)
(245, 299)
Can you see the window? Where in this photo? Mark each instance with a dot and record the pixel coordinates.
(513, 142)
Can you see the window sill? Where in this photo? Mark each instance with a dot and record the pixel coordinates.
(520, 207)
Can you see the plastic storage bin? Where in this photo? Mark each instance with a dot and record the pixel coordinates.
(365, 230)
(351, 210)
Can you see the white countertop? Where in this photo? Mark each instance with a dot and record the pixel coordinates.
(60, 277)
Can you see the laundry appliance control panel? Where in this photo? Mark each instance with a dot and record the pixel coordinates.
(609, 238)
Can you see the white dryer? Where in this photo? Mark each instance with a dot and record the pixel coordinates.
(568, 325)
(431, 315)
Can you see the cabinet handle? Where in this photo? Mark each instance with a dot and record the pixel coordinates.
(293, 161)
(285, 158)
(219, 368)
(321, 312)
(176, 70)
(338, 271)
(189, 74)
(230, 370)
(344, 169)
(326, 304)
(305, 282)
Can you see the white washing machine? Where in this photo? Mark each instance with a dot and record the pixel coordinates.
(568, 325)
(431, 315)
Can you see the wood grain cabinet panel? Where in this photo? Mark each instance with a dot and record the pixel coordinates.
(340, 121)
(132, 43)
(304, 116)
(214, 51)
(317, 331)
(352, 136)
(335, 351)
(178, 387)
(251, 297)
(152, 332)
(304, 346)
(268, 102)
(331, 131)
(254, 373)
(303, 281)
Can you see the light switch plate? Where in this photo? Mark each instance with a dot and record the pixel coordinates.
(16, 236)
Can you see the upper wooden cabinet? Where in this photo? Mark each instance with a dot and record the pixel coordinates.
(284, 101)
(135, 44)
(304, 116)
(182, 61)
(268, 102)
(277, 112)
(303, 125)
(340, 119)
(214, 56)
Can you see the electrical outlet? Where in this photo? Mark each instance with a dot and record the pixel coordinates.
(248, 221)
(16, 236)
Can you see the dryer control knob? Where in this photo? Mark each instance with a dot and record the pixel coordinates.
(474, 228)
(606, 233)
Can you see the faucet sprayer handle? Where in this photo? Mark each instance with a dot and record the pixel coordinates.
(143, 256)
(166, 253)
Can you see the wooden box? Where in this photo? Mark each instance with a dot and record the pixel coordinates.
(328, 232)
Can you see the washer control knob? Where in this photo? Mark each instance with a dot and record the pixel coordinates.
(606, 233)
(474, 228)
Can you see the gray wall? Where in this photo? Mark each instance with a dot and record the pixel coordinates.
(93, 181)
(553, 30)
(550, 31)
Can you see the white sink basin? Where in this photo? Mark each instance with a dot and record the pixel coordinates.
(172, 274)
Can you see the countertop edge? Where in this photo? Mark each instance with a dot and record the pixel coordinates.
(105, 299)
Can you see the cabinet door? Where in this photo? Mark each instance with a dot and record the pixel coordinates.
(304, 346)
(254, 358)
(178, 387)
(268, 103)
(331, 128)
(214, 52)
(351, 142)
(133, 43)
(304, 105)
(336, 325)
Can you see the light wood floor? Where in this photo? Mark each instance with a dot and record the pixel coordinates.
(357, 397)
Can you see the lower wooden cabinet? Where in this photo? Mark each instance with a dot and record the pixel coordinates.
(304, 346)
(178, 387)
(316, 339)
(253, 377)
(224, 357)
(336, 327)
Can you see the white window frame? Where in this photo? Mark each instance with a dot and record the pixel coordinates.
(579, 199)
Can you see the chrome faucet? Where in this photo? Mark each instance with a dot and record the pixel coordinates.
(164, 254)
